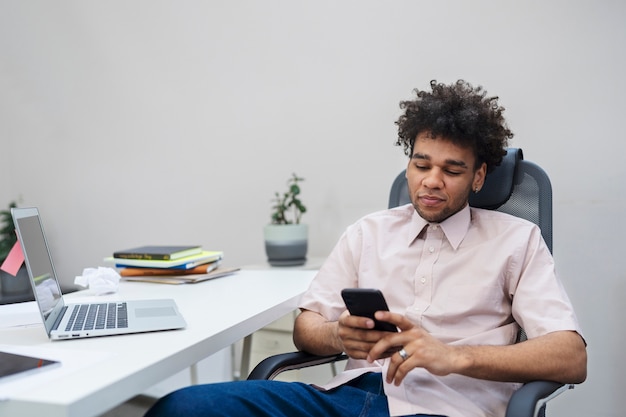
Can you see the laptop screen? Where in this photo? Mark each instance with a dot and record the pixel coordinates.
(39, 264)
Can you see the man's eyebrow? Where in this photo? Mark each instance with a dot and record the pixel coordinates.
(455, 162)
(418, 155)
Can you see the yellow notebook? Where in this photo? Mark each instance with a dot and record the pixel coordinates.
(187, 262)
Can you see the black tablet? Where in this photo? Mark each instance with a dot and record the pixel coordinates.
(12, 364)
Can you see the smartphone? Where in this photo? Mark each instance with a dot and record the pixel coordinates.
(364, 302)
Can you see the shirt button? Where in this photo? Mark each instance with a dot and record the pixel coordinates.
(435, 227)
(431, 249)
(423, 280)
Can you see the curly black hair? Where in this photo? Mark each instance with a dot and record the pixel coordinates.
(460, 113)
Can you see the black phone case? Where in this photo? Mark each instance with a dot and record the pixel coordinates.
(364, 302)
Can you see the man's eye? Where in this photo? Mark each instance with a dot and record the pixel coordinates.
(453, 172)
(421, 167)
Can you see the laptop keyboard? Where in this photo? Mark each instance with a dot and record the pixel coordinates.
(98, 316)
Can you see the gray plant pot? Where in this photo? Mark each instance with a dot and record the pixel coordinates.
(286, 244)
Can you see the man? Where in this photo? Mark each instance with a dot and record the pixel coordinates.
(459, 282)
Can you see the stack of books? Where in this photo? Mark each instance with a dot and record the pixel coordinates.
(169, 264)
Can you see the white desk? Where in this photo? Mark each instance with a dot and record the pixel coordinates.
(218, 313)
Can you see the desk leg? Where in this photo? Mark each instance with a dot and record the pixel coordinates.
(245, 357)
(193, 374)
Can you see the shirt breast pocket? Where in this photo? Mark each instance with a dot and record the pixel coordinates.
(475, 301)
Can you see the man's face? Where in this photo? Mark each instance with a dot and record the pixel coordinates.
(441, 176)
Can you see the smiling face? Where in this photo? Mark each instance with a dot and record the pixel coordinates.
(440, 176)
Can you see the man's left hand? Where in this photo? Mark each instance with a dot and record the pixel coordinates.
(420, 349)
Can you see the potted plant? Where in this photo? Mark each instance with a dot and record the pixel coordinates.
(286, 239)
(9, 284)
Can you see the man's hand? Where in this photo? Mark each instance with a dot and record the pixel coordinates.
(350, 334)
(358, 337)
(423, 350)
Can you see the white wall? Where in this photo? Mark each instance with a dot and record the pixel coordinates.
(175, 122)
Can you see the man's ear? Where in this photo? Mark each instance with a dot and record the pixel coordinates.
(479, 177)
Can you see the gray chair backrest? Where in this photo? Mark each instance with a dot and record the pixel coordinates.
(516, 187)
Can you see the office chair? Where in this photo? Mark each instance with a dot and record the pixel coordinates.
(517, 187)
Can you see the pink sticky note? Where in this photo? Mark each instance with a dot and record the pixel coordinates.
(14, 260)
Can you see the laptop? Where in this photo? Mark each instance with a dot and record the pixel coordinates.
(71, 321)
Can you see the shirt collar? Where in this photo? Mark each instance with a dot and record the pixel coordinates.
(454, 227)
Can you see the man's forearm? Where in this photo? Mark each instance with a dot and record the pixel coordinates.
(314, 334)
(559, 356)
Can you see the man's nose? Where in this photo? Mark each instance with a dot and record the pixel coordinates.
(433, 179)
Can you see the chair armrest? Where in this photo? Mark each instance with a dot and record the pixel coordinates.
(270, 367)
(533, 396)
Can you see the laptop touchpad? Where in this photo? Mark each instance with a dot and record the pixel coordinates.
(155, 312)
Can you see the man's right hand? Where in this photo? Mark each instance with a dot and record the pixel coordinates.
(357, 336)
(350, 334)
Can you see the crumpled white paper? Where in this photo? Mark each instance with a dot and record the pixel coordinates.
(100, 280)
